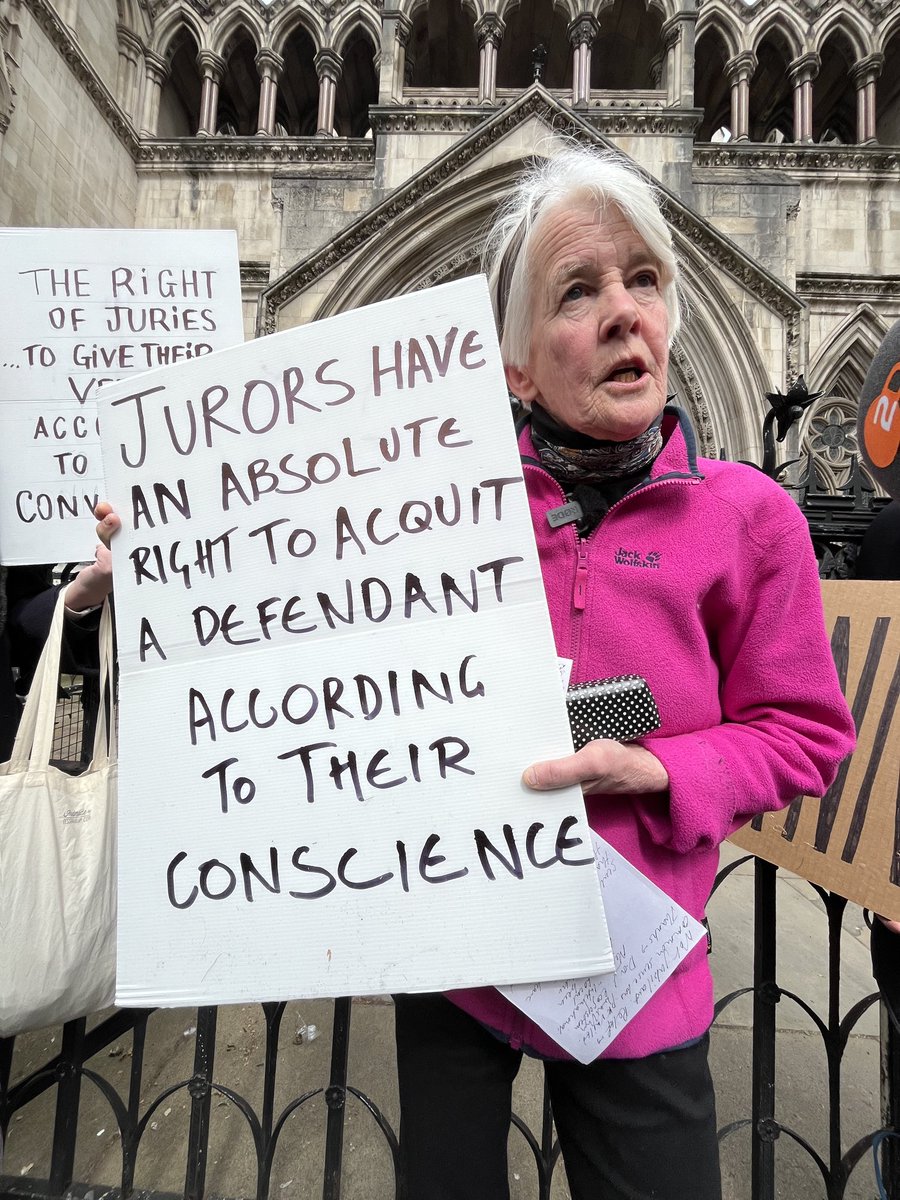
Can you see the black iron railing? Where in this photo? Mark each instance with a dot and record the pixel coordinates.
(68, 1075)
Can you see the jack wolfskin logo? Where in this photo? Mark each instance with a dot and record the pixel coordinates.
(634, 558)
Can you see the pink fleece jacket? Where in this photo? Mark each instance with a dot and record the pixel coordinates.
(704, 581)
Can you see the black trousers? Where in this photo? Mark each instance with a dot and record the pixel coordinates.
(629, 1129)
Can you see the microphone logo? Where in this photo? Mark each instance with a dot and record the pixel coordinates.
(881, 430)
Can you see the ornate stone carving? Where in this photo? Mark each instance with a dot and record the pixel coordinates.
(7, 62)
(859, 287)
(748, 10)
(269, 64)
(830, 436)
(254, 274)
(867, 70)
(694, 403)
(489, 30)
(741, 67)
(329, 64)
(874, 159)
(210, 153)
(463, 260)
(453, 116)
(804, 69)
(583, 30)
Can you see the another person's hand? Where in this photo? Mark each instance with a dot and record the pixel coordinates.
(107, 522)
(601, 766)
(893, 926)
(92, 584)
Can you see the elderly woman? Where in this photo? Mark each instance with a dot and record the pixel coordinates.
(698, 575)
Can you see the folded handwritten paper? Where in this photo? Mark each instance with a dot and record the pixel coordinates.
(650, 935)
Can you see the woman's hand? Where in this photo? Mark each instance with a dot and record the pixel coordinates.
(601, 766)
(107, 522)
(893, 926)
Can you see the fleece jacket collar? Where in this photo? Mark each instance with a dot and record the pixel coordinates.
(676, 460)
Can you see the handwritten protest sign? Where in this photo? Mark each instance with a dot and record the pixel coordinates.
(336, 661)
(849, 841)
(82, 307)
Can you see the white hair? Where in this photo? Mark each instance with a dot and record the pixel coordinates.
(567, 178)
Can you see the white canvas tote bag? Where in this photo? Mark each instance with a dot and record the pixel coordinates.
(57, 861)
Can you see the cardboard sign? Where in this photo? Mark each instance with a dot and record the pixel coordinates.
(82, 307)
(849, 841)
(336, 661)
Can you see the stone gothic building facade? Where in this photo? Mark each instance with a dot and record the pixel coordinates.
(359, 147)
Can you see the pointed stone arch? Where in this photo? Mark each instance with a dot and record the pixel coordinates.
(827, 431)
(845, 355)
(726, 394)
(845, 20)
(887, 30)
(292, 18)
(779, 20)
(356, 20)
(430, 229)
(172, 24)
(716, 18)
(235, 23)
(664, 8)
(128, 14)
(569, 8)
(712, 89)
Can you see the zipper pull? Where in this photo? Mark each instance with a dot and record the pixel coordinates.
(581, 580)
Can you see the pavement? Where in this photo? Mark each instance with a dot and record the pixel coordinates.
(304, 1051)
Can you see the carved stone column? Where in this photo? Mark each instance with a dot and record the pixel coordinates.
(328, 68)
(678, 34)
(212, 68)
(740, 71)
(157, 71)
(582, 34)
(395, 31)
(388, 53)
(130, 53)
(864, 75)
(802, 72)
(270, 65)
(402, 63)
(489, 31)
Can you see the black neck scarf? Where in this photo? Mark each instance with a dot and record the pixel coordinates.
(596, 474)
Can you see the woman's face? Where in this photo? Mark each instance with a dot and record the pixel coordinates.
(599, 327)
